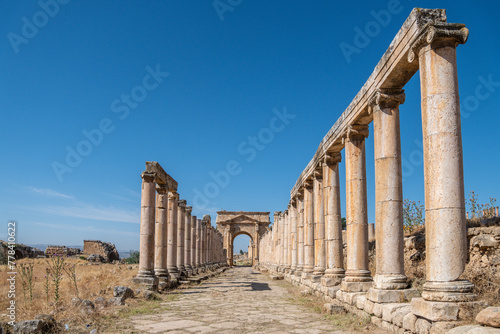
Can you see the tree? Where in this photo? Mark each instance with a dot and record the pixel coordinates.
(344, 224)
(241, 252)
(413, 215)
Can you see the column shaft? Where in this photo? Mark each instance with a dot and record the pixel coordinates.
(173, 199)
(146, 267)
(308, 229)
(319, 225)
(161, 236)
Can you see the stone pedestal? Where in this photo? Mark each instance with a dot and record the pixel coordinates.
(356, 286)
(445, 311)
(392, 296)
(150, 283)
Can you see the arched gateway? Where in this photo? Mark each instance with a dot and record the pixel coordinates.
(233, 223)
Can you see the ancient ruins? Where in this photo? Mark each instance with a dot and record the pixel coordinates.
(106, 250)
(231, 224)
(174, 245)
(305, 243)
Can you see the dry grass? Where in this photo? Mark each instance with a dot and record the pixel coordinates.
(93, 281)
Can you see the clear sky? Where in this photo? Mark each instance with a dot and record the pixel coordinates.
(90, 90)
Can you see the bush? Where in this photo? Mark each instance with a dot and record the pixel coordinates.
(133, 258)
(413, 215)
(81, 257)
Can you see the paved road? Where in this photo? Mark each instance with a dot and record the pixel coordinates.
(239, 301)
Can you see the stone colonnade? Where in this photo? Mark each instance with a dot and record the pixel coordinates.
(174, 244)
(305, 243)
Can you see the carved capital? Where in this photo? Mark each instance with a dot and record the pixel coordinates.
(173, 196)
(182, 203)
(189, 209)
(161, 189)
(148, 177)
(331, 159)
(307, 184)
(387, 98)
(443, 33)
(356, 132)
(318, 173)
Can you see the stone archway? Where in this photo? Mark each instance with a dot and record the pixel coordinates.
(234, 223)
(230, 253)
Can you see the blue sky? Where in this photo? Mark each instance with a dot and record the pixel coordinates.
(192, 85)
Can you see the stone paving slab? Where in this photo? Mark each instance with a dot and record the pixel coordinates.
(239, 301)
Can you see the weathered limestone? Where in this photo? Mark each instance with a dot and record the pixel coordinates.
(253, 224)
(357, 276)
(187, 241)
(161, 234)
(167, 233)
(181, 210)
(193, 245)
(286, 244)
(173, 270)
(300, 234)
(198, 245)
(390, 274)
(308, 231)
(294, 235)
(146, 268)
(319, 226)
(333, 222)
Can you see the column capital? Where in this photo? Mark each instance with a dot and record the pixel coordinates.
(443, 33)
(182, 203)
(172, 196)
(161, 189)
(331, 159)
(189, 209)
(387, 98)
(356, 131)
(148, 177)
(318, 173)
(307, 184)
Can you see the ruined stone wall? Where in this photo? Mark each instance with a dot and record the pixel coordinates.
(105, 249)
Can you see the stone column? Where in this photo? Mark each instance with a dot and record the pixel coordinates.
(300, 234)
(161, 234)
(333, 221)
(187, 241)
(390, 274)
(147, 233)
(180, 236)
(294, 234)
(276, 253)
(209, 245)
(193, 245)
(308, 230)
(173, 199)
(319, 226)
(198, 244)
(203, 244)
(357, 276)
(286, 220)
(446, 234)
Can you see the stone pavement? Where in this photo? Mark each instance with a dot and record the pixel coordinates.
(241, 300)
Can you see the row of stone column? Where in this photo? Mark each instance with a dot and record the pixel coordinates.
(173, 243)
(306, 239)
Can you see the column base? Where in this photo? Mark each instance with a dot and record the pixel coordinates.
(355, 286)
(454, 291)
(331, 280)
(148, 282)
(445, 311)
(392, 296)
(390, 282)
(316, 278)
(306, 275)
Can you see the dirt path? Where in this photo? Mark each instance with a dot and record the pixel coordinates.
(239, 301)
